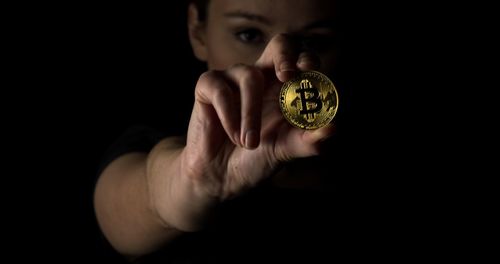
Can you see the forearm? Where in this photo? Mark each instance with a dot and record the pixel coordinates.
(124, 204)
(178, 198)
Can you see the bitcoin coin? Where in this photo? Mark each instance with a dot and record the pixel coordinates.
(309, 100)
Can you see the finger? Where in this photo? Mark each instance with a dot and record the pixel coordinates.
(317, 136)
(250, 82)
(280, 54)
(304, 143)
(212, 89)
(308, 61)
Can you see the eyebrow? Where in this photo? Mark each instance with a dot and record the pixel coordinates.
(327, 23)
(248, 16)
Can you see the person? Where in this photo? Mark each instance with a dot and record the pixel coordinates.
(238, 171)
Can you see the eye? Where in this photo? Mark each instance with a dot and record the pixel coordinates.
(251, 36)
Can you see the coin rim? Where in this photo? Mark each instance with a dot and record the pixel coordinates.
(287, 115)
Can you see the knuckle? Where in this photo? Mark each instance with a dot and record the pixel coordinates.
(208, 82)
(208, 77)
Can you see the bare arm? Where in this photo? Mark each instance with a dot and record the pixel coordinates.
(144, 201)
(123, 202)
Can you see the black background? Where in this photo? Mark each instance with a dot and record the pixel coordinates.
(82, 73)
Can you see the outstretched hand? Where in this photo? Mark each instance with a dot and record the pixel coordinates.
(237, 135)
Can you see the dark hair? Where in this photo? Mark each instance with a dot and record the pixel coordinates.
(201, 5)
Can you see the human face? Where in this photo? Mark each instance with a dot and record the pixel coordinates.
(237, 31)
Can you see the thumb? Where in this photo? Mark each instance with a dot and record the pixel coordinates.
(280, 56)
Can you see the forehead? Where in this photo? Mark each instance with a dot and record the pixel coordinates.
(278, 11)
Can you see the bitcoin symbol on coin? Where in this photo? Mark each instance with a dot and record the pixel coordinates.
(309, 101)
(309, 97)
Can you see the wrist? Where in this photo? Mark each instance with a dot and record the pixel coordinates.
(174, 197)
(160, 172)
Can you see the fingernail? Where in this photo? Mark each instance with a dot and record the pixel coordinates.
(251, 139)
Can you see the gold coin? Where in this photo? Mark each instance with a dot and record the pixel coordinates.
(309, 101)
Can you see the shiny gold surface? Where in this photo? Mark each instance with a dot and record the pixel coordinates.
(309, 101)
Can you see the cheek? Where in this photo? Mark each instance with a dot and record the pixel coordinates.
(220, 57)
